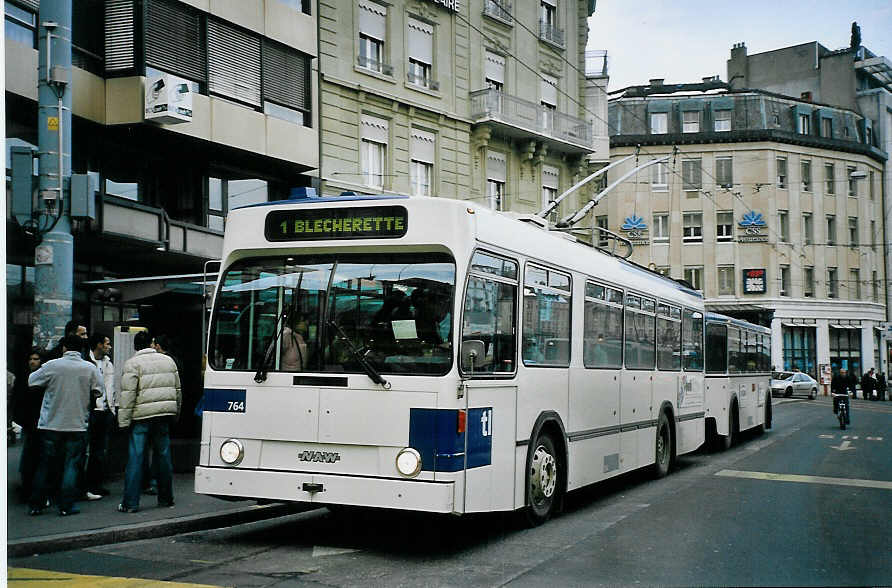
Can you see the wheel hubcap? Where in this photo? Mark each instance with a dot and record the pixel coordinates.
(543, 478)
(661, 445)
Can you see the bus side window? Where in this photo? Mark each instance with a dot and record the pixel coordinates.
(489, 313)
(716, 348)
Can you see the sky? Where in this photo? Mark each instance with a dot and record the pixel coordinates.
(683, 41)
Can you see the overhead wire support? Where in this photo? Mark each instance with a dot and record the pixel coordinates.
(554, 203)
(574, 218)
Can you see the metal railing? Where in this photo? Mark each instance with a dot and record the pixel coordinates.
(596, 63)
(535, 118)
(374, 65)
(552, 34)
(423, 81)
(498, 10)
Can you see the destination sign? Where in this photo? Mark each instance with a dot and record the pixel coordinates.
(366, 222)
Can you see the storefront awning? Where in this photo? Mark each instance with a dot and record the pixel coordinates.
(835, 326)
(140, 288)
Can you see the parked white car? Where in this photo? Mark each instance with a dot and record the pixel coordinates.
(789, 383)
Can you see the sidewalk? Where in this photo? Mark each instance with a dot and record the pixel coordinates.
(100, 523)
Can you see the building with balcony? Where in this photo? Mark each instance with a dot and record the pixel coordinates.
(484, 100)
(771, 205)
(241, 129)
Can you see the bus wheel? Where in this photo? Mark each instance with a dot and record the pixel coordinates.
(768, 412)
(543, 481)
(663, 447)
(726, 441)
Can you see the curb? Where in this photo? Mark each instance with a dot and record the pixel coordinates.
(149, 529)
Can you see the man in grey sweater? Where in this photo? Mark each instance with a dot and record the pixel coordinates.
(70, 384)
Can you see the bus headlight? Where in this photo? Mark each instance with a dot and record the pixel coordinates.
(232, 451)
(408, 462)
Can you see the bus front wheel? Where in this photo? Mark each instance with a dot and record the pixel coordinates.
(543, 481)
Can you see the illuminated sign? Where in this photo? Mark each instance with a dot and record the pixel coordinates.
(754, 281)
(752, 228)
(366, 222)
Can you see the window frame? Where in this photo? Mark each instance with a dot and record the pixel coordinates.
(659, 129)
(548, 288)
(696, 230)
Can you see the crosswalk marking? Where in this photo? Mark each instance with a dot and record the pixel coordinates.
(881, 484)
(42, 578)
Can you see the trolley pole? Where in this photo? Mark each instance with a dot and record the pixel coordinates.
(54, 256)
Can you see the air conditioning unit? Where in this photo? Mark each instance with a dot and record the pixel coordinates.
(168, 99)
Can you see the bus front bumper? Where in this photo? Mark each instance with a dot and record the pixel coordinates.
(326, 489)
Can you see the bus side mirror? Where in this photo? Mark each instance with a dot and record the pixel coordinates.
(471, 352)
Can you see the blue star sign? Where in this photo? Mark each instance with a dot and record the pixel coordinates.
(752, 219)
(634, 223)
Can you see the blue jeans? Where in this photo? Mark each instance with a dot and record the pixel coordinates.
(59, 448)
(157, 430)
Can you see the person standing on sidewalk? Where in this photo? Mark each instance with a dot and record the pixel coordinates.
(70, 383)
(150, 399)
(102, 418)
(28, 401)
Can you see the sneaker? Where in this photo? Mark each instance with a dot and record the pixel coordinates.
(165, 504)
(71, 511)
(91, 496)
(122, 508)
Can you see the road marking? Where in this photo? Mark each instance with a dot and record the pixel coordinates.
(883, 485)
(850, 436)
(844, 446)
(826, 436)
(35, 578)
(874, 438)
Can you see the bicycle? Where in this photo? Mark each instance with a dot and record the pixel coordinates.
(841, 409)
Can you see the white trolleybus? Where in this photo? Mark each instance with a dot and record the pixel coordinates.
(738, 379)
(432, 355)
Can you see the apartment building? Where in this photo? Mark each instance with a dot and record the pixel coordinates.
(482, 100)
(772, 206)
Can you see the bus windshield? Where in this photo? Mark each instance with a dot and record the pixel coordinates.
(395, 310)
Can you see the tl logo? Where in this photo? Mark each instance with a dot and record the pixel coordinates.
(752, 219)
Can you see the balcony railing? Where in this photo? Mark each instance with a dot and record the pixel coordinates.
(374, 65)
(530, 117)
(423, 81)
(499, 10)
(550, 33)
(595, 64)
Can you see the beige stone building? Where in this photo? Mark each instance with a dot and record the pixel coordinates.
(771, 206)
(480, 100)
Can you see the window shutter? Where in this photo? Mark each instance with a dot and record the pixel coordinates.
(549, 90)
(496, 166)
(31, 4)
(495, 67)
(373, 19)
(374, 129)
(421, 41)
(233, 63)
(286, 76)
(173, 40)
(550, 176)
(423, 146)
(119, 51)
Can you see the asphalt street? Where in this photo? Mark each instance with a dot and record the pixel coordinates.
(802, 504)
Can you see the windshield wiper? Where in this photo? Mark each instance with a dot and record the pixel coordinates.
(366, 365)
(260, 376)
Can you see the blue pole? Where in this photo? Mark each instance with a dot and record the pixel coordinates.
(54, 256)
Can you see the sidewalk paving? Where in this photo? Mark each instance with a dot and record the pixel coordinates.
(100, 523)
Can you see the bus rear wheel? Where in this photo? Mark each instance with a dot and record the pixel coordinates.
(663, 453)
(544, 475)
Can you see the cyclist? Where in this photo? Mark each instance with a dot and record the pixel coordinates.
(839, 385)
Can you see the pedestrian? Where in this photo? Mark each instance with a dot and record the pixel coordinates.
(103, 418)
(150, 400)
(867, 384)
(71, 328)
(10, 400)
(852, 384)
(881, 385)
(28, 400)
(70, 384)
(839, 384)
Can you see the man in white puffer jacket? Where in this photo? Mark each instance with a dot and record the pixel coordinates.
(150, 402)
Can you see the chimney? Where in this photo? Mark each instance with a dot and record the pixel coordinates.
(657, 81)
(738, 67)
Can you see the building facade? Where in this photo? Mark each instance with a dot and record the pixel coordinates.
(480, 100)
(181, 110)
(771, 206)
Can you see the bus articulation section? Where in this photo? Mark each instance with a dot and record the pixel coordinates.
(433, 355)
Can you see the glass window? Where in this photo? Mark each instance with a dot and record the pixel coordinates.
(799, 349)
(724, 226)
(853, 232)
(808, 282)
(722, 120)
(805, 166)
(808, 232)
(853, 182)
(370, 53)
(845, 349)
(601, 222)
(691, 177)
(724, 176)
(489, 313)
(20, 25)
(694, 277)
(726, 279)
(832, 283)
(831, 229)
(785, 280)
(827, 127)
(736, 362)
(716, 348)
(373, 163)
(829, 178)
(546, 317)
(668, 339)
(782, 172)
(306, 308)
(495, 193)
(420, 177)
(690, 121)
(640, 335)
(660, 231)
(603, 330)
(804, 124)
(783, 222)
(659, 123)
(245, 192)
(660, 177)
(854, 284)
(122, 188)
(693, 227)
(692, 340)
